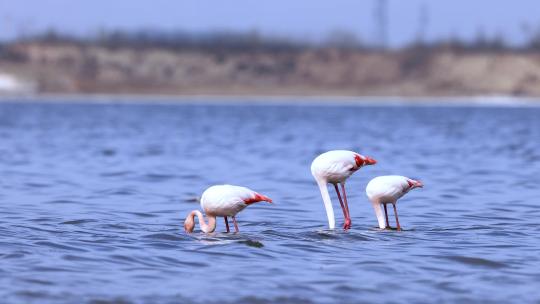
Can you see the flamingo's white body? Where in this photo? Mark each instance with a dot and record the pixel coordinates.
(225, 201)
(387, 190)
(335, 167)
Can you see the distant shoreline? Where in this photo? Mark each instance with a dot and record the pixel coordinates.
(507, 101)
(68, 68)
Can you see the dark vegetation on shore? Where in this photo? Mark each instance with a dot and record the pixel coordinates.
(157, 62)
(251, 41)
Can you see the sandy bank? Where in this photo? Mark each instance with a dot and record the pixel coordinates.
(76, 69)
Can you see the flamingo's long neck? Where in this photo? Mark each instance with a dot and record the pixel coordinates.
(379, 214)
(205, 227)
(327, 204)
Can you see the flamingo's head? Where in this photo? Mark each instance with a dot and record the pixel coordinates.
(362, 160)
(257, 198)
(414, 184)
(189, 223)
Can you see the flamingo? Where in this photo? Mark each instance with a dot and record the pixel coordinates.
(335, 167)
(225, 201)
(387, 190)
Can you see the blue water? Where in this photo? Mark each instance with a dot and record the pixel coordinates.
(93, 197)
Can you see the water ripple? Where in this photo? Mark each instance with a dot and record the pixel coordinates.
(94, 197)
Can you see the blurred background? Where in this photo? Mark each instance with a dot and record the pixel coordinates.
(343, 47)
(96, 188)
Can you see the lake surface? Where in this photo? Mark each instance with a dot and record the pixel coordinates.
(93, 198)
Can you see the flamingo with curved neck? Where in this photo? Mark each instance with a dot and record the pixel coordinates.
(189, 223)
(224, 201)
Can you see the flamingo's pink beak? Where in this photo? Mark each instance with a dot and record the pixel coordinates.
(264, 198)
(415, 183)
(369, 161)
(258, 198)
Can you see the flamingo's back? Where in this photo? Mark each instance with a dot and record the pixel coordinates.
(334, 166)
(387, 189)
(225, 200)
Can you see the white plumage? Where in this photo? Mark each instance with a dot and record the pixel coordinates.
(225, 201)
(335, 167)
(388, 190)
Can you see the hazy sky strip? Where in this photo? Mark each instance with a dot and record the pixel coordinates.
(307, 19)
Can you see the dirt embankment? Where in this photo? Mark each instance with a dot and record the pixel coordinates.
(71, 68)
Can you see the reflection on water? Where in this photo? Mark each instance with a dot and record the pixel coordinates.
(93, 198)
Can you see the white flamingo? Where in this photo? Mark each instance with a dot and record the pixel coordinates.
(335, 167)
(225, 201)
(387, 190)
